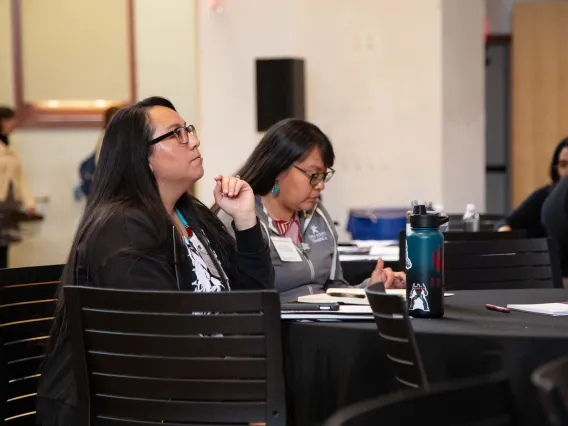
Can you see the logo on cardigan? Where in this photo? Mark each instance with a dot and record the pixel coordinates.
(316, 236)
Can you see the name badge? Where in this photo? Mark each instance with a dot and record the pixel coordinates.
(286, 249)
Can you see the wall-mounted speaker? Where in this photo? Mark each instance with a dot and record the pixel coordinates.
(279, 91)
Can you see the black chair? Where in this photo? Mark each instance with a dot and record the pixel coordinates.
(479, 402)
(147, 357)
(463, 236)
(509, 264)
(397, 336)
(27, 303)
(487, 221)
(484, 236)
(551, 381)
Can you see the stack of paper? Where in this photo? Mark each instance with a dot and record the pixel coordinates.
(348, 296)
(346, 312)
(554, 309)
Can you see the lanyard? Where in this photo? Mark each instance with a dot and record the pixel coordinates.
(185, 224)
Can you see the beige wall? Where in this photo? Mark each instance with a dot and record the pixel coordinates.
(79, 53)
(166, 46)
(165, 65)
(6, 89)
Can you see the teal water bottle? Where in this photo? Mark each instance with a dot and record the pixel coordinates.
(425, 264)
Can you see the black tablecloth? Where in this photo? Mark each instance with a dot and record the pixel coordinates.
(330, 365)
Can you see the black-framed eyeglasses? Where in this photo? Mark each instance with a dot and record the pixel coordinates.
(316, 178)
(181, 133)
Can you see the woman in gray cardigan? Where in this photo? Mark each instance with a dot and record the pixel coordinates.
(287, 172)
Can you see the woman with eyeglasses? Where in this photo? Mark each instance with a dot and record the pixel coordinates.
(527, 216)
(288, 171)
(141, 230)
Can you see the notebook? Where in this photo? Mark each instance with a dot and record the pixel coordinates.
(345, 312)
(348, 296)
(554, 309)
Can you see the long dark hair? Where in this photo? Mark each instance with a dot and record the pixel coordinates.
(285, 143)
(554, 176)
(123, 178)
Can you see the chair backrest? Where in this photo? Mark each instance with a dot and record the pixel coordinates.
(461, 236)
(397, 336)
(27, 303)
(551, 381)
(478, 402)
(510, 264)
(147, 357)
(484, 235)
(487, 221)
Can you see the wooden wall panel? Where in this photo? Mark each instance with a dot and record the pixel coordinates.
(540, 91)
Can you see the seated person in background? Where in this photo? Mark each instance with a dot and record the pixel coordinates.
(555, 213)
(287, 172)
(141, 230)
(528, 215)
(13, 185)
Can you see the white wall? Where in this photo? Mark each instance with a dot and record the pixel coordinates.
(463, 152)
(374, 87)
(229, 42)
(379, 80)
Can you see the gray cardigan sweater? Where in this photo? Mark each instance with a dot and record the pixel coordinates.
(319, 269)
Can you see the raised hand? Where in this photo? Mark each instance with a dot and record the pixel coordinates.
(235, 197)
(390, 278)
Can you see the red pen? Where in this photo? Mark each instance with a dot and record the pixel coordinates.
(497, 308)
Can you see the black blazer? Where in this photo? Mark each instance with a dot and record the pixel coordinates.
(527, 215)
(106, 262)
(110, 261)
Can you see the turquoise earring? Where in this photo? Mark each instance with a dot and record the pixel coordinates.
(275, 189)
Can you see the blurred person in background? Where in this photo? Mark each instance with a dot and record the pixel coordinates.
(287, 171)
(527, 216)
(13, 185)
(555, 212)
(89, 165)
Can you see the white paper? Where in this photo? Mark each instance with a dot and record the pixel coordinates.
(554, 309)
(327, 298)
(358, 257)
(346, 312)
(286, 249)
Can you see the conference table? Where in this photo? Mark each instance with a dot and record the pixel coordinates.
(330, 365)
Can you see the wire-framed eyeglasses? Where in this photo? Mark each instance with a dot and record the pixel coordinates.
(181, 133)
(316, 178)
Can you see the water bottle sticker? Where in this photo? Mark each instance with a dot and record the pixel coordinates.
(418, 299)
(408, 262)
